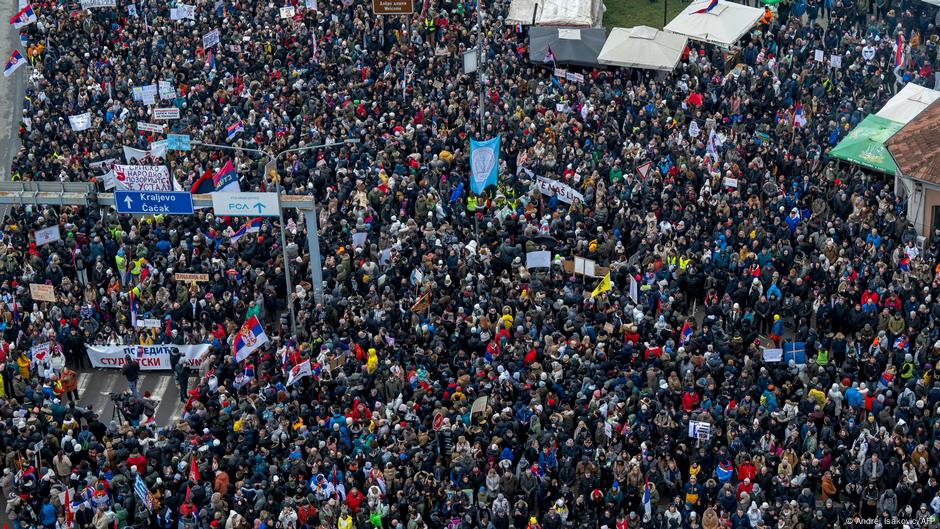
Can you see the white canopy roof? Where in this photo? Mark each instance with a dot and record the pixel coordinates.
(723, 25)
(906, 104)
(642, 47)
(582, 13)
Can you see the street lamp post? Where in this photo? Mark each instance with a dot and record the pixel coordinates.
(317, 267)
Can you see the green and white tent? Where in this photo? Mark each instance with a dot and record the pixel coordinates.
(865, 145)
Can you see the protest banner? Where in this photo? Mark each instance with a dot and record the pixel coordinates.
(38, 353)
(142, 177)
(149, 127)
(210, 39)
(288, 12)
(91, 4)
(178, 142)
(182, 276)
(148, 323)
(166, 113)
(565, 193)
(47, 235)
(700, 430)
(41, 292)
(166, 90)
(150, 357)
(157, 150)
(539, 259)
(80, 122)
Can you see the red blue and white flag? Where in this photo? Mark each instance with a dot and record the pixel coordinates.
(133, 304)
(299, 371)
(16, 60)
(249, 338)
(226, 179)
(23, 17)
(799, 120)
(252, 226)
(711, 5)
(234, 129)
(210, 60)
(686, 333)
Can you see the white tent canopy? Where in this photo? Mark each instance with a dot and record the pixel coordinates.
(906, 104)
(723, 25)
(581, 13)
(642, 47)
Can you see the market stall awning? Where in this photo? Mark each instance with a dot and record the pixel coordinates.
(578, 46)
(865, 145)
(908, 103)
(642, 47)
(580, 13)
(723, 25)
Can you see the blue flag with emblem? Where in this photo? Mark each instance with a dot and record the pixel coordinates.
(484, 164)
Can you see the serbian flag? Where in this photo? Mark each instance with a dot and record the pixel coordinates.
(901, 343)
(686, 333)
(799, 120)
(226, 179)
(193, 470)
(204, 184)
(298, 372)
(899, 50)
(252, 226)
(133, 304)
(233, 130)
(711, 5)
(210, 60)
(549, 56)
(16, 60)
(23, 17)
(250, 337)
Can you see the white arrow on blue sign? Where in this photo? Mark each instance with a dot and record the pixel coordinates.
(153, 202)
(245, 204)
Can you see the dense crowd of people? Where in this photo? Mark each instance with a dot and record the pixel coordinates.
(450, 385)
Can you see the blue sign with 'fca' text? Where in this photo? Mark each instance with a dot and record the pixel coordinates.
(153, 202)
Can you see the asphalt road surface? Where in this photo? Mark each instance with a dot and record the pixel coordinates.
(95, 386)
(12, 90)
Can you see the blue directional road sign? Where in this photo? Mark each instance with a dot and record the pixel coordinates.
(153, 202)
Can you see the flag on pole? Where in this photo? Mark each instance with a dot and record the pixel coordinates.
(210, 60)
(298, 372)
(193, 469)
(603, 286)
(799, 120)
(686, 333)
(484, 164)
(899, 50)
(234, 129)
(711, 5)
(133, 304)
(68, 510)
(549, 55)
(252, 226)
(647, 508)
(16, 60)
(23, 17)
(226, 179)
(250, 337)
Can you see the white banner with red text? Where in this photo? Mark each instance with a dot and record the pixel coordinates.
(150, 357)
